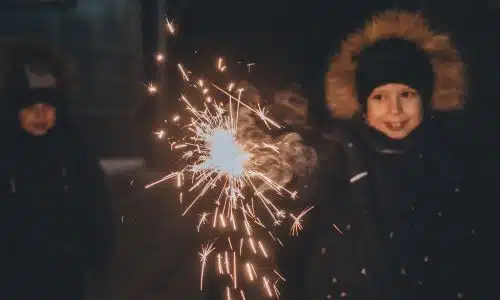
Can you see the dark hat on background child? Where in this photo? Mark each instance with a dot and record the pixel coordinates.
(28, 86)
(34, 72)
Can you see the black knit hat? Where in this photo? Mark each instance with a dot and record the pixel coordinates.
(26, 87)
(394, 60)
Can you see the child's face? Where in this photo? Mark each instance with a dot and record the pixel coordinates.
(37, 119)
(395, 110)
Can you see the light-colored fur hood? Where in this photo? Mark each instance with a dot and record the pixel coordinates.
(446, 61)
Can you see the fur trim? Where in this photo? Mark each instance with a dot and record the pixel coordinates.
(446, 61)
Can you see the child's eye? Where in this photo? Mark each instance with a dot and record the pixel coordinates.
(377, 97)
(408, 94)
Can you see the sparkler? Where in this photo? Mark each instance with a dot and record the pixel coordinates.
(221, 164)
(216, 159)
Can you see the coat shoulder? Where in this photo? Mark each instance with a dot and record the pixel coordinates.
(337, 143)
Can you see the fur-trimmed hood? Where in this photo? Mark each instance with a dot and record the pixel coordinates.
(446, 61)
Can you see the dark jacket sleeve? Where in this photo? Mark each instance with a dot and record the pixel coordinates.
(296, 258)
(335, 255)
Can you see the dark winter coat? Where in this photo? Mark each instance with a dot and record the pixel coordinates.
(389, 221)
(55, 219)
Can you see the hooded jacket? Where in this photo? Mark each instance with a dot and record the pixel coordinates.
(55, 217)
(390, 220)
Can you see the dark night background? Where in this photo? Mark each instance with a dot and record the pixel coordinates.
(114, 42)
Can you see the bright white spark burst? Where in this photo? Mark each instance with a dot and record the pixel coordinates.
(217, 159)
